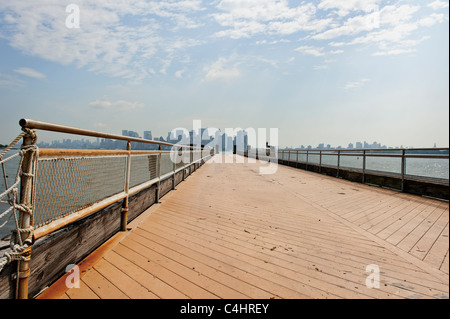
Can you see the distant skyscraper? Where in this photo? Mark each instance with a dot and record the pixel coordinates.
(241, 141)
(129, 133)
(133, 134)
(148, 135)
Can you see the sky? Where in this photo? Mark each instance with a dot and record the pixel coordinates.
(323, 71)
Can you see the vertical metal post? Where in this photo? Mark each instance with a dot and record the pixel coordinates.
(403, 169)
(158, 188)
(191, 159)
(307, 159)
(364, 167)
(174, 166)
(124, 215)
(338, 162)
(23, 269)
(296, 160)
(320, 161)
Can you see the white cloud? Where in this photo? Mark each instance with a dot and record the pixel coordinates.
(137, 39)
(120, 105)
(118, 38)
(431, 20)
(394, 52)
(395, 34)
(390, 28)
(179, 73)
(320, 67)
(436, 5)
(10, 82)
(354, 25)
(222, 69)
(310, 50)
(344, 7)
(30, 73)
(245, 18)
(356, 84)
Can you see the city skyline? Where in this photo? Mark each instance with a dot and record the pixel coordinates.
(95, 143)
(319, 71)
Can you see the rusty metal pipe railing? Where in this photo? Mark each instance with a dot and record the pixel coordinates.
(32, 124)
(27, 232)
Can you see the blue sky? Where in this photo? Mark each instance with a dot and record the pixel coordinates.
(320, 71)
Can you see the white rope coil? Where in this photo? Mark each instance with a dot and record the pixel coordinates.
(18, 249)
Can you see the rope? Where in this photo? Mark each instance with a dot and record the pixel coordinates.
(16, 140)
(19, 249)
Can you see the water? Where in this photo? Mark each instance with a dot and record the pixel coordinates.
(11, 171)
(423, 167)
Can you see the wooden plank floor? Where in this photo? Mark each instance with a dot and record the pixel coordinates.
(230, 232)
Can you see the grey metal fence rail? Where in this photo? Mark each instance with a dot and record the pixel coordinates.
(392, 162)
(58, 187)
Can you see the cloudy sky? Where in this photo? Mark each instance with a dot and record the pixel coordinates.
(323, 71)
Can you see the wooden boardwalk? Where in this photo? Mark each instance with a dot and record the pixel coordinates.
(230, 232)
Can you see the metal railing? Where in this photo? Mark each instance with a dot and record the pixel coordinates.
(59, 186)
(402, 163)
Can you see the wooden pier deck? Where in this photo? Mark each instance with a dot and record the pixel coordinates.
(230, 232)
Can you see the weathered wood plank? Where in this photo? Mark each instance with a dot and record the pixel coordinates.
(436, 254)
(119, 278)
(151, 283)
(101, 286)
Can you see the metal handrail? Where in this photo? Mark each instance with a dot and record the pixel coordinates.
(367, 149)
(364, 153)
(32, 124)
(38, 125)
